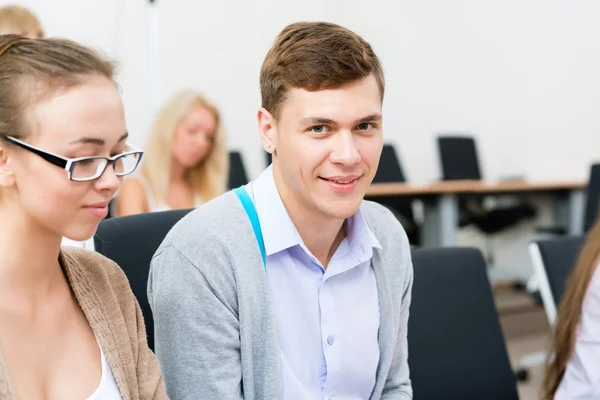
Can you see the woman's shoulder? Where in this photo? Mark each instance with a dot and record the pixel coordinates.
(89, 267)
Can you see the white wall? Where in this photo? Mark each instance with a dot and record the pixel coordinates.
(521, 75)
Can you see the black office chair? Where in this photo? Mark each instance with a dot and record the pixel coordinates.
(459, 161)
(237, 171)
(390, 170)
(456, 347)
(131, 242)
(553, 260)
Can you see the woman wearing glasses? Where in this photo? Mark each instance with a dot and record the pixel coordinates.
(70, 327)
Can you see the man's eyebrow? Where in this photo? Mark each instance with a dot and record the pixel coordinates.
(317, 121)
(96, 141)
(369, 118)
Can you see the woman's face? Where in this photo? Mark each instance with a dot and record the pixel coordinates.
(86, 120)
(194, 137)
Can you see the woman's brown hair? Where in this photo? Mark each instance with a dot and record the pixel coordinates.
(569, 312)
(32, 69)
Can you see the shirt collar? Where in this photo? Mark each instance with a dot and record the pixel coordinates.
(279, 232)
(361, 239)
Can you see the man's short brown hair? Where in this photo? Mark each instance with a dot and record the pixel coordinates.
(315, 56)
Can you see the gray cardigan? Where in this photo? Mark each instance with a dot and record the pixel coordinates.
(215, 329)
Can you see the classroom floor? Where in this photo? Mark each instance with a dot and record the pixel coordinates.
(526, 331)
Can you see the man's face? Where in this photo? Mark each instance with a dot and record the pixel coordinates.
(326, 147)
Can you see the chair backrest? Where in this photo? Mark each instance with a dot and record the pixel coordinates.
(237, 171)
(389, 169)
(131, 242)
(553, 260)
(593, 198)
(458, 158)
(455, 343)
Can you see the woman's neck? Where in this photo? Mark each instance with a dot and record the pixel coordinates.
(178, 172)
(29, 266)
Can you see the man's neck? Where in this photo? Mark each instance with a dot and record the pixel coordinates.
(320, 235)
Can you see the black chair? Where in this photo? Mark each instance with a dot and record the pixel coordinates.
(237, 171)
(455, 343)
(390, 170)
(459, 161)
(553, 260)
(131, 242)
(459, 158)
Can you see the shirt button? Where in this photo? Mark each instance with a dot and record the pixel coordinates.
(330, 340)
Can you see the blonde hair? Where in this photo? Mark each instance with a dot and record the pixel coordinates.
(19, 20)
(209, 177)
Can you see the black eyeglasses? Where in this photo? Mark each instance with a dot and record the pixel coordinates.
(85, 169)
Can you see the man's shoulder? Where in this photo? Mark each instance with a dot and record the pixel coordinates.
(214, 217)
(217, 223)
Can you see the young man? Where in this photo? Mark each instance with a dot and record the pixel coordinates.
(326, 315)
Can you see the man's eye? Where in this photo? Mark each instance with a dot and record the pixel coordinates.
(319, 129)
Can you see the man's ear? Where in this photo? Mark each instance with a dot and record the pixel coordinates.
(268, 130)
(7, 176)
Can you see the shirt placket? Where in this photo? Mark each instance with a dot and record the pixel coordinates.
(330, 339)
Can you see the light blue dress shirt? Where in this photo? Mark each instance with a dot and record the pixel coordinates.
(327, 319)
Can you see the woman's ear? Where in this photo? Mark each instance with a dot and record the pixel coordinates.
(7, 176)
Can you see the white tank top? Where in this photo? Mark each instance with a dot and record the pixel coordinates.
(107, 389)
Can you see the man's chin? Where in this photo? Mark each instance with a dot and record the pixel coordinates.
(344, 209)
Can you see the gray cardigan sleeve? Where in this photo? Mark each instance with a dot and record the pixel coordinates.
(197, 337)
(398, 385)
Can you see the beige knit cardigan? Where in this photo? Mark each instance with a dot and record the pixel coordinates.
(103, 293)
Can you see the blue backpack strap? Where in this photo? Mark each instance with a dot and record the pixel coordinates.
(248, 205)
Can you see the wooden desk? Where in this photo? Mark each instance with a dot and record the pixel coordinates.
(470, 187)
(441, 203)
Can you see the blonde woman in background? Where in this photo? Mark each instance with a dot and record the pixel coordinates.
(185, 161)
(20, 21)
